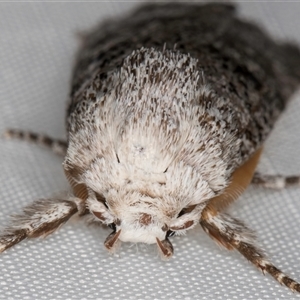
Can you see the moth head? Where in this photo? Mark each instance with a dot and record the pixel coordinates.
(143, 222)
(137, 217)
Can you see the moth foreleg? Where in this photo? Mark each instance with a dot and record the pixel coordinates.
(233, 234)
(275, 181)
(55, 145)
(40, 218)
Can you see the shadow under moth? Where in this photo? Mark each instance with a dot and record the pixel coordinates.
(168, 112)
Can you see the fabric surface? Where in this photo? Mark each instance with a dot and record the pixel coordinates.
(38, 42)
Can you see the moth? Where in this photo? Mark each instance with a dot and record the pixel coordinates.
(168, 112)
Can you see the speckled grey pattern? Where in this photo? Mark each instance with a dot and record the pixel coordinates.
(37, 49)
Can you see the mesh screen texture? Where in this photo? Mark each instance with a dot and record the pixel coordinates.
(38, 42)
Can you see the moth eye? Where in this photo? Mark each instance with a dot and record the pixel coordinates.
(170, 233)
(118, 222)
(112, 226)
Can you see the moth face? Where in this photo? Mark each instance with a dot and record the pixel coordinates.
(140, 222)
(135, 227)
(144, 228)
(136, 214)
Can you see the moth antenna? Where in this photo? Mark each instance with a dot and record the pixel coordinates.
(233, 234)
(275, 181)
(57, 146)
(40, 218)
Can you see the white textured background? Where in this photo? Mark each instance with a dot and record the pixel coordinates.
(37, 46)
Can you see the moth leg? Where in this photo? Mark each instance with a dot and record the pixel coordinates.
(275, 181)
(233, 234)
(55, 145)
(40, 218)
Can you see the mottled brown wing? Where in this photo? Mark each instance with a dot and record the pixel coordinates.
(239, 61)
(151, 25)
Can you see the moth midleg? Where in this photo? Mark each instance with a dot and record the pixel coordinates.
(275, 181)
(232, 233)
(40, 218)
(55, 145)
